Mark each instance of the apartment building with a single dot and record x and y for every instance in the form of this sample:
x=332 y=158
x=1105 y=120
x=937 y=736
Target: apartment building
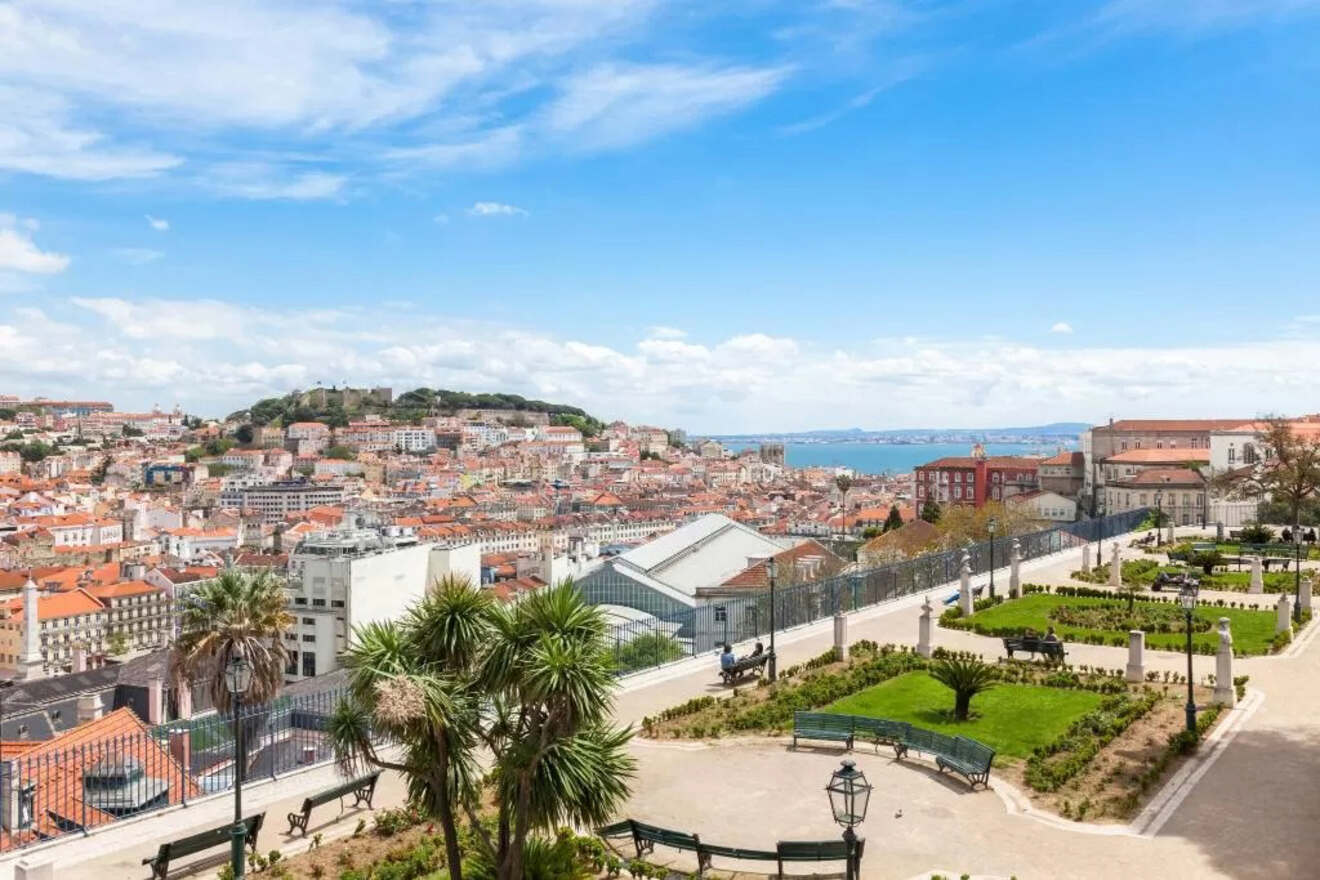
x=1181 y=493
x=1118 y=436
x=975 y=479
x=65 y=621
x=138 y=610
x=80 y=529
x=275 y=501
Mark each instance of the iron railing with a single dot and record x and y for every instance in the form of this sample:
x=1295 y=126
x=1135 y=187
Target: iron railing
x=664 y=637
x=119 y=767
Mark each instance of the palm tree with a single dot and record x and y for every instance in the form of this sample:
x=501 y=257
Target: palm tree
x=843 y=483
x=237 y=614
x=529 y=683
x=966 y=677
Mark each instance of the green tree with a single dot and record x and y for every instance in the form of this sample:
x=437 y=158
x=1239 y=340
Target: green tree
x=130 y=431
x=341 y=452
x=966 y=677
x=1288 y=475
x=894 y=520
x=930 y=511
x=530 y=684
x=117 y=643
x=843 y=483
x=649 y=649
x=244 y=434
x=236 y=614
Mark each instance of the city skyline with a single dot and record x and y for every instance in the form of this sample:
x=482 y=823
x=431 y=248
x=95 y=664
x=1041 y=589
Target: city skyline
x=767 y=217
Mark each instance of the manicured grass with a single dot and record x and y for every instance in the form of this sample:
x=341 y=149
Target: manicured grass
x=1012 y=718
x=1252 y=630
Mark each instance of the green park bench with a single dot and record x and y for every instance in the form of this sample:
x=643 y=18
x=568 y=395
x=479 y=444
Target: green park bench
x=823 y=725
x=363 y=790
x=645 y=837
x=744 y=667
x=970 y=758
x=1053 y=650
x=880 y=731
x=814 y=851
x=200 y=842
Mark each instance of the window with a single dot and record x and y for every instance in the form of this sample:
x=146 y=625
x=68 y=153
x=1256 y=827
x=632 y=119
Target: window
x=309 y=638
x=308 y=664
x=319 y=603
x=957 y=491
x=1232 y=454
x=336 y=603
x=310 y=621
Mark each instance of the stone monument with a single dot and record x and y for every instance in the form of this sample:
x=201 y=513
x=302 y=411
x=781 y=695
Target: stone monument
x=923 y=629
x=1136 y=665
x=1283 y=613
x=1115 y=567
x=1257 y=576
x=1014 y=569
x=1224 y=691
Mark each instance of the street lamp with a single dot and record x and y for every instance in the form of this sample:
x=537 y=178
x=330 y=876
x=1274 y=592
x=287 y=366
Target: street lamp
x=849 y=795
x=238 y=678
x=771 y=570
x=991 y=526
x=1297 y=568
x=1187 y=598
x=1159 y=515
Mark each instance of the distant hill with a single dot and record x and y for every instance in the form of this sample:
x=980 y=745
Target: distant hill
x=337 y=406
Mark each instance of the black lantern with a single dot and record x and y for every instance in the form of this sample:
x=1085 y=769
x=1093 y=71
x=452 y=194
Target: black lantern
x=771 y=572
x=1187 y=598
x=238 y=678
x=850 y=794
x=991 y=526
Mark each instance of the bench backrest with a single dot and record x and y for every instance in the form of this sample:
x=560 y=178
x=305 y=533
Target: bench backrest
x=330 y=794
x=656 y=834
x=811 y=850
x=204 y=840
x=882 y=728
x=823 y=721
x=738 y=852
x=974 y=753
x=928 y=741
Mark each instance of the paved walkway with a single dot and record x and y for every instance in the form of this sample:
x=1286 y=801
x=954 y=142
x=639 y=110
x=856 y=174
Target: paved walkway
x=1251 y=814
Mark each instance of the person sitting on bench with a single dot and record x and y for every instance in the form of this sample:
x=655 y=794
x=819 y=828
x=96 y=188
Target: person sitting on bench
x=758 y=650
x=727 y=659
x=1050 y=636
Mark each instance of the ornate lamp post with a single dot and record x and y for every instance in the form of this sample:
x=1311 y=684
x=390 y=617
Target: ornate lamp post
x=992 y=525
x=238 y=678
x=849 y=795
x=1187 y=598
x=1297 y=569
x=771 y=570
x=1159 y=514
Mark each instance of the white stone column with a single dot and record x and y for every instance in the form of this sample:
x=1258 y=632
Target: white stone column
x=1305 y=595
x=1224 y=691
x=1014 y=569
x=34 y=868
x=923 y=629
x=1136 y=665
x=1283 y=613
x=1086 y=558
x=1257 y=576
x=965 y=586
x=841 y=635
x=1115 y=566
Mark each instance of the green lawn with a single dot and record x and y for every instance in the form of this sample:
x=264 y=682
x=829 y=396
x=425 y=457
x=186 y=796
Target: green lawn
x=1012 y=718
x=1252 y=630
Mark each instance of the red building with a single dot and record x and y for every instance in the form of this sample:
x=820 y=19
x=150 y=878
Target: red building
x=975 y=479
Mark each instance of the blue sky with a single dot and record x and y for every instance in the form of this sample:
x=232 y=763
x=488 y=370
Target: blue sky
x=731 y=217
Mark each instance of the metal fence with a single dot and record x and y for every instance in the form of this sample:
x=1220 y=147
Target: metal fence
x=665 y=637
x=119 y=767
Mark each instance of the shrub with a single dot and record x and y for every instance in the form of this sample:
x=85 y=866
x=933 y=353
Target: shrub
x=1257 y=534
x=1053 y=764
x=966 y=677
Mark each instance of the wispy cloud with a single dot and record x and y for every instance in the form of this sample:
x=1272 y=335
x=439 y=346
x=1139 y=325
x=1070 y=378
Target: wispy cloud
x=496 y=209
x=257 y=180
x=136 y=256
x=158 y=224
x=660 y=331
x=898 y=73
x=1061 y=327
x=19 y=253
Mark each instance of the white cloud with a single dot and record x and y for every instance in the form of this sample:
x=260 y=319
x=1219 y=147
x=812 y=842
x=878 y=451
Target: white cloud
x=218 y=356
x=660 y=331
x=158 y=224
x=136 y=256
x=19 y=253
x=442 y=219
x=496 y=209
x=1061 y=327
x=260 y=181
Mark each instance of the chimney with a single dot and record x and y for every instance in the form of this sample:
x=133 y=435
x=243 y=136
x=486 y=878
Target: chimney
x=181 y=747
x=89 y=707
x=277 y=542
x=79 y=658
x=155 y=701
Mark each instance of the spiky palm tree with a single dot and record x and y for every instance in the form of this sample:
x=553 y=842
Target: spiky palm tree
x=530 y=683
x=966 y=677
x=237 y=614
x=843 y=483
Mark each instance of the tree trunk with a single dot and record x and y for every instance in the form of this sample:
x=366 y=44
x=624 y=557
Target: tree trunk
x=962 y=703
x=453 y=856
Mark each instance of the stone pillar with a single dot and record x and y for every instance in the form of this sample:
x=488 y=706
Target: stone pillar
x=184 y=697
x=1283 y=613
x=1136 y=665
x=1257 y=576
x=1014 y=569
x=89 y=707
x=34 y=868
x=841 y=635
x=1086 y=558
x=1305 y=594
x=155 y=701
x=31 y=663
x=1224 y=691
x=1115 y=567
x=923 y=629
x=965 y=587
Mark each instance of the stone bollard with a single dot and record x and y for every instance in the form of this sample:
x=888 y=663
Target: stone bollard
x=1086 y=559
x=1305 y=594
x=1225 y=692
x=1015 y=569
x=34 y=868
x=841 y=635
x=1283 y=613
x=1257 y=576
x=965 y=587
x=1136 y=665
x=923 y=629
x=1115 y=567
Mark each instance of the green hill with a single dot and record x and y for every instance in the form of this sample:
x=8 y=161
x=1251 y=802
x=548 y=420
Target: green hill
x=335 y=407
